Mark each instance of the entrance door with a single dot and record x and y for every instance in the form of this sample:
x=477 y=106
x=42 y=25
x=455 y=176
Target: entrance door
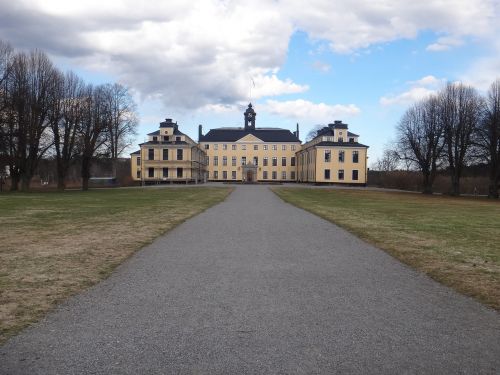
x=249 y=176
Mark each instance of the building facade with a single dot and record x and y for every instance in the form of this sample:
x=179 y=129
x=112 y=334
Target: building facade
x=333 y=156
x=251 y=154
x=169 y=156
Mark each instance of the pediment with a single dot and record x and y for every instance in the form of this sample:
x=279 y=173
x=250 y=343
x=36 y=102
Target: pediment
x=249 y=138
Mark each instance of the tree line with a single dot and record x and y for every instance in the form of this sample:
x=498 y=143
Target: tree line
x=449 y=130
x=45 y=112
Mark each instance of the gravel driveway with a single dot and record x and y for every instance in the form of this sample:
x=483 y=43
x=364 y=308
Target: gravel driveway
x=254 y=285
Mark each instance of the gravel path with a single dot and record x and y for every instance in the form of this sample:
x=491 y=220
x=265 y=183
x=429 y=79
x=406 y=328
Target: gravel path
x=254 y=285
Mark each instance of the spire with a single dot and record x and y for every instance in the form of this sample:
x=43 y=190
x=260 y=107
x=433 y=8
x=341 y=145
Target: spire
x=250 y=118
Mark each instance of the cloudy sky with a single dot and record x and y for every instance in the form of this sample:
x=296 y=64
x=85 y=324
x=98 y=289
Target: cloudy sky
x=311 y=62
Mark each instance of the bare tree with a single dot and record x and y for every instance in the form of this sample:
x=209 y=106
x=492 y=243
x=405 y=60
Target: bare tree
x=6 y=53
x=93 y=129
x=65 y=121
x=313 y=132
x=460 y=114
x=33 y=76
x=388 y=162
x=488 y=136
x=123 y=120
x=420 y=139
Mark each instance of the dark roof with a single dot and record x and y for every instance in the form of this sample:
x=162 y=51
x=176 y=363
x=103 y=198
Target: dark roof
x=342 y=144
x=176 y=132
x=233 y=134
x=155 y=133
x=349 y=134
x=163 y=143
x=138 y=152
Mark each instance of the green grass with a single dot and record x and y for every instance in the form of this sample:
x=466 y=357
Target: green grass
x=454 y=240
x=56 y=244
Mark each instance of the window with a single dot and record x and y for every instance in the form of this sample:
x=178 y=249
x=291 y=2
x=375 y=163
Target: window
x=233 y=175
x=151 y=154
x=292 y=161
x=283 y=161
x=341 y=139
x=155 y=139
x=233 y=161
x=264 y=175
x=283 y=175
x=179 y=172
x=179 y=154
x=275 y=161
x=355 y=175
x=328 y=156
x=265 y=162
x=341 y=174
x=216 y=175
x=224 y=175
x=341 y=156
x=243 y=160
x=216 y=146
x=138 y=174
x=166 y=138
x=138 y=161
x=292 y=175
x=283 y=147
x=292 y=147
x=243 y=147
x=264 y=147
x=165 y=172
x=275 y=147
x=224 y=146
x=351 y=140
x=355 y=156
x=327 y=174
x=207 y=146
x=233 y=147
x=275 y=175
x=224 y=160
x=255 y=147
x=165 y=154
x=255 y=160
x=216 y=161
x=151 y=172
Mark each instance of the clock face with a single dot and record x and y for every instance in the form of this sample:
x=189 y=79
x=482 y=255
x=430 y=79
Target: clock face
x=249 y=115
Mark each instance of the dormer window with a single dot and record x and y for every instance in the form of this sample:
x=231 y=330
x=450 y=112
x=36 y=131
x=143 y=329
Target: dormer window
x=155 y=139
x=341 y=139
x=351 y=140
x=166 y=138
x=177 y=139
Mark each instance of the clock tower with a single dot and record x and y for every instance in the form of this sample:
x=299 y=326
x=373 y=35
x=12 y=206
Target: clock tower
x=250 y=118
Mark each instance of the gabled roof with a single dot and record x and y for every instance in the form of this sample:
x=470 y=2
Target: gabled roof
x=138 y=152
x=155 y=133
x=234 y=134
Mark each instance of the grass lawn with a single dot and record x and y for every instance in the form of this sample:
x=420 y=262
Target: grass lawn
x=53 y=245
x=454 y=240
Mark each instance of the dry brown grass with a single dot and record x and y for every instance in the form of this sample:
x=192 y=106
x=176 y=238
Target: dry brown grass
x=54 y=245
x=453 y=240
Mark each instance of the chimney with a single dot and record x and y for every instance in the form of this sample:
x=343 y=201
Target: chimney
x=297 y=132
x=200 y=132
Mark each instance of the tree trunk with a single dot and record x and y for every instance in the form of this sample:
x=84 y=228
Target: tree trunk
x=86 y=161
x=455 y=185
x=494 y=180
x=427 y=183
x=61 y=175
x=14 y=182
x=25 y=182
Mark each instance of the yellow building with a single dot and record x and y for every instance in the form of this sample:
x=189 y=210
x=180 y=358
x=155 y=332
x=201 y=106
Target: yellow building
x=169 y=156
x=251 y=154
x=333 y=156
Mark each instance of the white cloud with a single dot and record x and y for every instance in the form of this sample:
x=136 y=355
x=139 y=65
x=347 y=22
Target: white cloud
x=418 y=90
x=304 y=109
x=321 y=66
x=198 y=53
x=444 y=44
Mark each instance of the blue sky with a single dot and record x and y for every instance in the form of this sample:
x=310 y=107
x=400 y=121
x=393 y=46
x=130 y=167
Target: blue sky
x=363 y=62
